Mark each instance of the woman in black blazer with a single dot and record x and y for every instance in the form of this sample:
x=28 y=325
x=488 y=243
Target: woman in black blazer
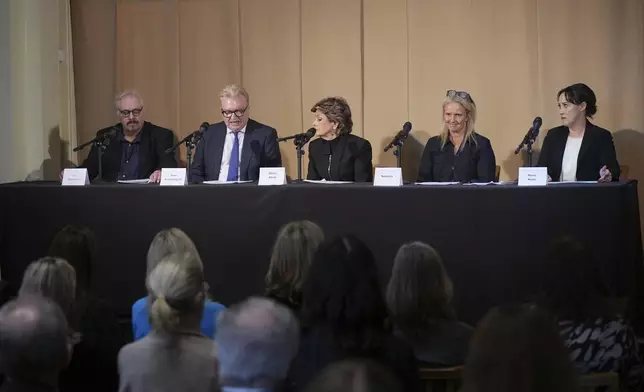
x=337 y=155
x=579 y=150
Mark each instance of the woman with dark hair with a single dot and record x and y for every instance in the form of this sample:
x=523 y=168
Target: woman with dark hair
x=337 y=155
x=518 y=348
x=598 y=336
x=292 y=254
x=578 y=150
x=93 y=364
x=343 y=315
x=419 y=295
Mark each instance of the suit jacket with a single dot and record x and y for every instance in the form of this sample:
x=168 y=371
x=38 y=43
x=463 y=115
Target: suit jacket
x=596 y=150
x=259 y=149
x=351 y=160
x=154 y=141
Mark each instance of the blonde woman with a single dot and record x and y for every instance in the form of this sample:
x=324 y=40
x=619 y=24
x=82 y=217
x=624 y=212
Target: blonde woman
x=175 y=356
x=292 y=254
x=165 y=243
x=458 y=153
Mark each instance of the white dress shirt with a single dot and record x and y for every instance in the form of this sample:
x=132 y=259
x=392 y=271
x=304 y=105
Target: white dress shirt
x=228 y=149
x=569 y=162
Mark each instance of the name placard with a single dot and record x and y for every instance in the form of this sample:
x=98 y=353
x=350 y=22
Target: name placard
x=533 y=176
x=173 y=177
x=388 y=176
x=272 y=176
x=75 y=177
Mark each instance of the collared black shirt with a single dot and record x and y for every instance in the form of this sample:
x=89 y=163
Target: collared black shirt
x=129 y=158
x=474 y=162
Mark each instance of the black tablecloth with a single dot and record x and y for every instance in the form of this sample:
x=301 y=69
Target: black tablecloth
x=492 y=238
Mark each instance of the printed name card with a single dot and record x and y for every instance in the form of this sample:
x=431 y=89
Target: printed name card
x=388 y=176
x=533 y=176
x=272 y=176
x=75 y=177
x=173 y=177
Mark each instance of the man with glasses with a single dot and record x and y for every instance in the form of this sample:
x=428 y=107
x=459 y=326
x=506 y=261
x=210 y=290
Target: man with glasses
x=137 y=151
x=235 y=149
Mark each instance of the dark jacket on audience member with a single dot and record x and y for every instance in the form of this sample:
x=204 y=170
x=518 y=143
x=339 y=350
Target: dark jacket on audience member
x=445 y=345
x=597 y=150
x=474 y=162
x=345 y=158
x=154 y=140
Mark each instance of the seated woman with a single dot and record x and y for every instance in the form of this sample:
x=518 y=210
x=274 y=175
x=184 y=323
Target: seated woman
x=458 y=153
x=343 y=315
x=175 y=355
x=165 y=243
x=337 y=155
x=292 y=254
x=578 y=150
x=419 y=295
x=592 y=326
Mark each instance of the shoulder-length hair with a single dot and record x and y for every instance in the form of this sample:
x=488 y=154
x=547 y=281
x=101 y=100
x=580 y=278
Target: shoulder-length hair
x=291 y=257
x=77 y=246
x=419 y=291
x=337 y=110
x=167 y=242
x=52 y=278
x=470 y=110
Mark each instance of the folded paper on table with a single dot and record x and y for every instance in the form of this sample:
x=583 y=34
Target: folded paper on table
x=225 y=182
x=328 y=182
x=141 y=181
x=437 y=183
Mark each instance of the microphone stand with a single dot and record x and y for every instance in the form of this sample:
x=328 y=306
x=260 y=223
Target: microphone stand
x=299 y=141
x=191 y=143
x=101 y=143
x=528 y=141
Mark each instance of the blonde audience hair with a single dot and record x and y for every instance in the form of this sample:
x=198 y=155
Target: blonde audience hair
x=291 y=257
x=176 y=293
x=167 y=242
x=470 y=109
x=53 y=278
x=127 y=93
x=234 y=90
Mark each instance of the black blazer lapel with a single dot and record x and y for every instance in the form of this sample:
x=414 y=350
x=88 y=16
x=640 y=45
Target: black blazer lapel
x=336 y=160
x=246 y=150
x=559 y=146
x=586 y=142
x=219 y=139
x=145 y=150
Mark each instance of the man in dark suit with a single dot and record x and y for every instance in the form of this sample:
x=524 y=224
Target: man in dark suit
x=137 y=150
x=235 y=149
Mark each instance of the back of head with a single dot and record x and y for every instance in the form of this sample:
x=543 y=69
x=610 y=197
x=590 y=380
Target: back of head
x=342 y=292
x=76 y=245
x=176 y=290
x=518 y=348
x=33 y=339
x=53 y=278
x=167 y=242
x=419 y=291
x=256 y=342
x=292 y=254
x=355 y=376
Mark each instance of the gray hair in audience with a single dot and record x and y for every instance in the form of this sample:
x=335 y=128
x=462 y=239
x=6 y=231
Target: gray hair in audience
x=256 y=342
x=176 y=290
x=53 y=278
x=167 y=242
x=33 y=338
x=355 y=375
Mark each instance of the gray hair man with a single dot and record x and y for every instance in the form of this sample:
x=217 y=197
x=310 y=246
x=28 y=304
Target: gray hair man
x=256 y=341
x=34 y=344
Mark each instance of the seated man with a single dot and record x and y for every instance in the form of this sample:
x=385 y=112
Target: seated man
x=137 y=151
x=235 y=149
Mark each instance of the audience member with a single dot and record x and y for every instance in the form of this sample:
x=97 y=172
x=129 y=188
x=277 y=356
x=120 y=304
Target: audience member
x=419 y=295
x=256 y=342
x=592 y=326
x=518 y=348
x=355 y=376
x=292 y=254
x=93 y=365
x=168 y=242
x=344 y=315
x=33 y=344
x=175 y=355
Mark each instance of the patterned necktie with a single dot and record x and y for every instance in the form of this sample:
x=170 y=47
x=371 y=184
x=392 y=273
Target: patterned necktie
x=233 y=168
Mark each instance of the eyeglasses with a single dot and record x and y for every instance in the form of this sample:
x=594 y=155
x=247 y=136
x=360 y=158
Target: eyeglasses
x=238 y=113
x=459 y=94
x=126 y=113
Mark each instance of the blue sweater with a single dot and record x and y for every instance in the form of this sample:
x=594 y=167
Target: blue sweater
x=141 y=319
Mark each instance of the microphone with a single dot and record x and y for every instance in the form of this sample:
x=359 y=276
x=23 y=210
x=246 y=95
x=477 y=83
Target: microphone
x=532 y=134
x=400 y=136
x=192 y=138
x=300 y=138
x=103 y=138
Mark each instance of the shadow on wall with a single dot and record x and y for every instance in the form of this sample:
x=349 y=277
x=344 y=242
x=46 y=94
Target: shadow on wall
x=50 y=168
x=629 y=145
x=411 y=152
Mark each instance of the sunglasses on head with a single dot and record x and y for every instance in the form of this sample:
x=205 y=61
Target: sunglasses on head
x=460 y=94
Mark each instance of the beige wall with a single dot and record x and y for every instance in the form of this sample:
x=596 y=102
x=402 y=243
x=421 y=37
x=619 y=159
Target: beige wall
x=392 y=59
